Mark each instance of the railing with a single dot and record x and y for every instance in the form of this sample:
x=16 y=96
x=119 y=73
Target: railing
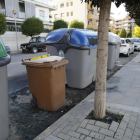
x=45 y=19
x=2 y=11
x=127 y=25
x=128 y=21
x=47 y=2
x=21 y=15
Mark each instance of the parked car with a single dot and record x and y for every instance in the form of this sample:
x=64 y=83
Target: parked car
x=127 y=47
x=136 y=42
x=8 y=49
x=35 y=44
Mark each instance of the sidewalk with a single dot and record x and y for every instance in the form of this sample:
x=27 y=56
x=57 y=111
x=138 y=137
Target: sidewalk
x=123 y=97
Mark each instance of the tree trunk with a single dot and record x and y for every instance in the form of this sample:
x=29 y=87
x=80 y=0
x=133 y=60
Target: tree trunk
x=102 y=55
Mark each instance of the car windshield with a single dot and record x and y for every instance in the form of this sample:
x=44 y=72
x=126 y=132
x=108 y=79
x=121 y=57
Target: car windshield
x=135 y=40
x=33 y=39
x=122 y=41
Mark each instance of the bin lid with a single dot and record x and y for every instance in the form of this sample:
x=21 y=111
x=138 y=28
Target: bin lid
x=84 y=37
x=3 y=51
x=113 y=39
x=52 y=61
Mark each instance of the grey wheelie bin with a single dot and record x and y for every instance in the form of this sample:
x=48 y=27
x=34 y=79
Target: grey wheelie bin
x=113 y=50
x=79 y=47
x=4 y=112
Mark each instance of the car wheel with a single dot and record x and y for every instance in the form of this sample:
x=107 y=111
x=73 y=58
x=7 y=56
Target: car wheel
x=133 y=52
x=128 y=54
x=34 y=50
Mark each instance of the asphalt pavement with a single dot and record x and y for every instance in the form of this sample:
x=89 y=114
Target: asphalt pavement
x=17 y=76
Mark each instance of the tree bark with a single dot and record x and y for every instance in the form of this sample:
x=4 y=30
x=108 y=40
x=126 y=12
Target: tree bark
x=102 y=56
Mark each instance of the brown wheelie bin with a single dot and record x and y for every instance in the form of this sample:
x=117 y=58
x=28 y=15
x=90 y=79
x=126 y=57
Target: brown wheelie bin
x=47 y=83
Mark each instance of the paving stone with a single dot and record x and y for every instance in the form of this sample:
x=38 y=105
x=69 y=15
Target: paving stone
x=82 y=118
x=83 y=131
x=137 y=132
x=84 y=123
x=66 y=129
x=119 y=134
x=131 y=125
x=91 y=122
x=135 y=138
x=138 y=125
x=43 y=135
x=92 y=127
x=106 y=132
x=52 y=138
x=101 y=124
x=88 y=138
x=74 y=134
x=128 y=133
x=126 y=118
x=97 y=135
x=133 y=118
x=72 y=138
x=114 y=126
x=74 y=127
x=109 y=138
x=82 y=137
x=123 y=125
x=63 y=136
x=72 y=122
x=126 y=138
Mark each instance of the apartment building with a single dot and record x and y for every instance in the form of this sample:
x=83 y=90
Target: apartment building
x=26 y=9
x=70 y=10
x=124 y=23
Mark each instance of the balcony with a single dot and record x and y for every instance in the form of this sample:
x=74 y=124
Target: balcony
x=21 y=15
x=129 y=21
x=127 y=25
x=47 y=2
x=90 y=17
x=46 y=20
x=92 y=26
x=89 y=7
x=2 y=11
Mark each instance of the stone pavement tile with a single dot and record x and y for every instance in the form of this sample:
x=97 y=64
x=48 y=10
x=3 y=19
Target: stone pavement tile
x=119 y=134
x=92 y=127
x=83 y=131
x=135 y=138
x=84 y=123
x=72 y=138
x=91 y=122
x=88 y=138
x=97 y=135
x=136 y=132
x=126 y=138
x=73 y=122
x=114 y=126
x=74 y=127
x=123 y=125
x=126 y=118
x=131 y=125
x=52 y=138
x=128 y=133
x=133 y=118
x=109 y=138
x=138 y=124
x=106 y=132
x=101 y=124
x=82 y=118
x=74 y=134
x=82 y=137
x=66 y=129
x=63 y=136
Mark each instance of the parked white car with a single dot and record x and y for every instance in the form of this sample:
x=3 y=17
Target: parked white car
x=127 y=47
x=136 y=42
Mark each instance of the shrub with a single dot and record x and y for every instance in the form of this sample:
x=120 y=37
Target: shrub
x=77 y=24
x=90 y=28
x=32 y=26
x=117 y=32
x=3 y=24
x=122 y=33
x=60 y=24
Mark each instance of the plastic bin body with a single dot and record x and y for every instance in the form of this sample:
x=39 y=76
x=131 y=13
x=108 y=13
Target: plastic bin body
x=47 y=85
x=4 y=109
x=81 y=54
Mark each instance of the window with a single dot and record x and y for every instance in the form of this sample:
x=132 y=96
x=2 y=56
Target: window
x=33 y=39
x=71 y=13
x=71 y=3
x=56 y=16
x=88 y=22
x=62 y=5
x=42 y=39
x=67 y=4
x=62 y=14
x=41 y=13
x=67 y=14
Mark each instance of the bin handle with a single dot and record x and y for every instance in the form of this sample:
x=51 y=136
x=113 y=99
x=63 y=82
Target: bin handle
x=23 y=60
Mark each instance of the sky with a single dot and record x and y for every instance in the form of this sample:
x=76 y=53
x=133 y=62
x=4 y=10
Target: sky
x=119 y=13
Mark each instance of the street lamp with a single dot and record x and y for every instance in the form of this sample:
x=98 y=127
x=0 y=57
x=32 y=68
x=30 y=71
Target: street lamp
x=14 y=12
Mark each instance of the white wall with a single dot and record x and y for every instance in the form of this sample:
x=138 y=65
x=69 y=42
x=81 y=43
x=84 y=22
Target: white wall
x=9 y=39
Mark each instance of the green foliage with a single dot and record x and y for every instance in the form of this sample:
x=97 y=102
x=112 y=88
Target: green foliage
x=137 y=21
x=129 y=34
x=122 y=33
x=136 y=32
x=76 y=24
x=58 y=24
x=3 y=24
x=90 y=29
x=109 y=30
x=32 y=26
x=117 y=32
x=46 y=30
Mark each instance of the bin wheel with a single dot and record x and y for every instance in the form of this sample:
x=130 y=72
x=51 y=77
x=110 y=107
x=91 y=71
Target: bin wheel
x=34 y=50
x=34 y=102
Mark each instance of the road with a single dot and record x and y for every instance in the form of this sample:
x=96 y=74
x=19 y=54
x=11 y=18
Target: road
x=17 y=76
